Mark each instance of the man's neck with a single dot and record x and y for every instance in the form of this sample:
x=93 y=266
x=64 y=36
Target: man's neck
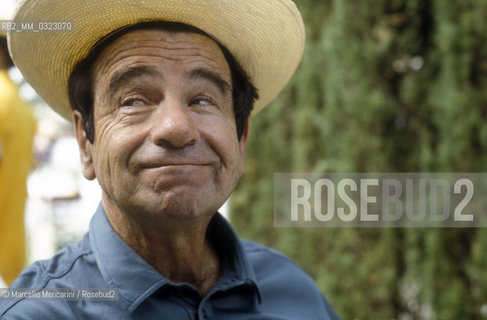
x=180 y=252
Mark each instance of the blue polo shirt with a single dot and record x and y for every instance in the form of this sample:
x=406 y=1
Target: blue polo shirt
x=256 y=283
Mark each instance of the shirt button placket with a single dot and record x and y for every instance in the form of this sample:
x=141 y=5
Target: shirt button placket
x=205 y=314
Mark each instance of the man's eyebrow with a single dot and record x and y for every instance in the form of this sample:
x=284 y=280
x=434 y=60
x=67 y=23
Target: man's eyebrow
x=123 y=77
x=212 y=76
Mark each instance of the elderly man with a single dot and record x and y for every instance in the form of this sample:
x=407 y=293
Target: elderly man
x=161 y=115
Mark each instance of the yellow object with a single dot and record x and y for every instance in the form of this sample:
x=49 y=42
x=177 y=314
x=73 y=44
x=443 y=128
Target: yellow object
x=17 y=130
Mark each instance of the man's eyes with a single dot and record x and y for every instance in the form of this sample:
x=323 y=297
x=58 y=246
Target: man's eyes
x=202 y=101
x=133 y=102
x=140 y=102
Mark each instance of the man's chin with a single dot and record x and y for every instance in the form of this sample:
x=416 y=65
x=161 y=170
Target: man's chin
x=163 y=179
x=177 y=204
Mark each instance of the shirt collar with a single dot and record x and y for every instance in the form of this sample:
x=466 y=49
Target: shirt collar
x=236 y=268
x=120 y=265
x=136 y=280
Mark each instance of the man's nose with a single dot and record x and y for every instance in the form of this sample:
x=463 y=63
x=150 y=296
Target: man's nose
x=172 y=125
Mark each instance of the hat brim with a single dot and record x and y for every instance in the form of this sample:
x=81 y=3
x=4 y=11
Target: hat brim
x=265 y=36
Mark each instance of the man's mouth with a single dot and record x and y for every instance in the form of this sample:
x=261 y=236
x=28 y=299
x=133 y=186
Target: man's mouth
x=155 y=165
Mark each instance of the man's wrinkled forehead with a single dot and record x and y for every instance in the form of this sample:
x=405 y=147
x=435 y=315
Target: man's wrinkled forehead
x=159 y=32
x=127 y=55
x=169 y=28
x=146 y=39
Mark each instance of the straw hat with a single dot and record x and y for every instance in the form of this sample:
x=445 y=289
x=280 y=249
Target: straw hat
x=265 y=36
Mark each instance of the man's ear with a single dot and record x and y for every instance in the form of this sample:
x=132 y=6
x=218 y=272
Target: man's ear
x=85 y=147
x=243 y=144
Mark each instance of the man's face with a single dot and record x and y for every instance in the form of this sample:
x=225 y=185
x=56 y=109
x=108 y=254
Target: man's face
x=165 y=132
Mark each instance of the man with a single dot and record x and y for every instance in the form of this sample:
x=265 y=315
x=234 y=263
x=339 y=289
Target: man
x=17 y=130
x=161 y=115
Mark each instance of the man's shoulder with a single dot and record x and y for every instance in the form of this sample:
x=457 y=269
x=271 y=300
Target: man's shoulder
x=251 y=246
x=45 y=272
x=66 y=269
x=284 y=285
x=270 y=263
x=264 y=259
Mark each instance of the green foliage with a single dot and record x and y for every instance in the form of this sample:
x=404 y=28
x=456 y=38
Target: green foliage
x=384 y=86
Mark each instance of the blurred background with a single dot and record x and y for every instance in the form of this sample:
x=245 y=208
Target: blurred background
x=384 y=86
x=60 y=201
